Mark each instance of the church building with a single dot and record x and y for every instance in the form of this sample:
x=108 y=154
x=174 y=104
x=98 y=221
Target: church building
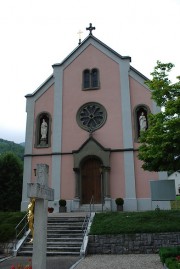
x=84 y=122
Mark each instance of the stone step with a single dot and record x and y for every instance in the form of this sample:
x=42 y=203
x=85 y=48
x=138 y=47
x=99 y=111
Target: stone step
x=64 y=237
x=57 y=246
x=67 y=235
x=66 y=219
x=64 y=248
x=52 y=244
x=51 y=253
x=62 y=225
x=64 y=231
x=56 y=222
x=86 y=208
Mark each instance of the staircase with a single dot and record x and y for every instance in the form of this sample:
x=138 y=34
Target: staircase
x=64 y=235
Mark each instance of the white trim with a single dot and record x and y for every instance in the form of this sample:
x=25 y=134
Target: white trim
x=57 y=132
x=130 y=188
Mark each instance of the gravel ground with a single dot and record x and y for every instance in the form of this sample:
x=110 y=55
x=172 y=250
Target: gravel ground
x=129 y=261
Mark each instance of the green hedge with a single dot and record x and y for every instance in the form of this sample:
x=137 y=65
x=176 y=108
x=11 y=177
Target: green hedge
x=8 y=222
x=172 y=263
x=168 y=252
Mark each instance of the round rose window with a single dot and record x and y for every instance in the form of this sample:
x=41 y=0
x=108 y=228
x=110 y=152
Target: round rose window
x=91 y=116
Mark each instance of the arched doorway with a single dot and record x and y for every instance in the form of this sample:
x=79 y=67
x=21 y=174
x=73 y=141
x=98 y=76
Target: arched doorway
x=91 y=184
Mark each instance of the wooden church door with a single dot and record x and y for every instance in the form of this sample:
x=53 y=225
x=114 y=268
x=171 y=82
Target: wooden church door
x=91 y=181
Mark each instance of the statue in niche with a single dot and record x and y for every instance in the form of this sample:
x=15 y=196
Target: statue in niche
x=44 y=132
x=44 y=127
x=142 y=122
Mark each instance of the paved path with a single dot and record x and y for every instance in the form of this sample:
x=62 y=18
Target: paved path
x=129 y=261
x=60 y=262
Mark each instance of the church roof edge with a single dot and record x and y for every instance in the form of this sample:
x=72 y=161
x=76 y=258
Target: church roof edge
x=97 y=40
x=139 y=73
x=32 y=94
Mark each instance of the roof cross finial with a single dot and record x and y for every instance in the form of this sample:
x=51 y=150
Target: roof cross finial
x=90 y=28
x=79 y=33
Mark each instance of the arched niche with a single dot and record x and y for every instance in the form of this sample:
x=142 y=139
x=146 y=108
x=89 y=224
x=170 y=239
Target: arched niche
x=43 y=130
x=139 y=111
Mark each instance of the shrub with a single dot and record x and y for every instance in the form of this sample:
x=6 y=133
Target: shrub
x=62 y=202
x=8 y=222
x=168 y=252
x=119 y=201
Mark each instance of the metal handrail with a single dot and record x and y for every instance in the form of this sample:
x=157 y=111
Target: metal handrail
x=86 y=226
x=90 y=204
x=86 y=220
x=24 y=228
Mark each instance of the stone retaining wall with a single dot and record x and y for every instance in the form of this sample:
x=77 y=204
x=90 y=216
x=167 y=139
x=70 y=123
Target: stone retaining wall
x=6 y=248
x=132 y=243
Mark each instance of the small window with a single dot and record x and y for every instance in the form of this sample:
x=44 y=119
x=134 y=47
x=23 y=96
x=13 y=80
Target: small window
x=86 y=79
x=91 y=79
x=94 y=78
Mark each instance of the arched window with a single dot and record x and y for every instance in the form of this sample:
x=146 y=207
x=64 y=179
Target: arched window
x=94 y=78
x=140 y=120
x=90 y=79
x=43 y=130
x=86 y=79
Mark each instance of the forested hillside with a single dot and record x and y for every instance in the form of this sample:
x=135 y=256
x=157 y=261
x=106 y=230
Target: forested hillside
x=6 y=146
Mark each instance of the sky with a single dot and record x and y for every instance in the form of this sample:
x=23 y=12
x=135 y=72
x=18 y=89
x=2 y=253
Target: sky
x=35 y=34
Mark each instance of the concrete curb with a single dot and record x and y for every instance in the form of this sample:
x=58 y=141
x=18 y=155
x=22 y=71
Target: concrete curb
x=77 y=263
x=6 y=258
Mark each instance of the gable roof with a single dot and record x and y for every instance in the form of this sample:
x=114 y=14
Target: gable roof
x=91 y=37
x=83 y=43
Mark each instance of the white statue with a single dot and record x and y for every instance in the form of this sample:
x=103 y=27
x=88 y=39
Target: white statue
x=44 y=129
x=142 y=122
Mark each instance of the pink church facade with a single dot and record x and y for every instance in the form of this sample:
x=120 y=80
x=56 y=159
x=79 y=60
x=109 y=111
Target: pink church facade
x=91 y=105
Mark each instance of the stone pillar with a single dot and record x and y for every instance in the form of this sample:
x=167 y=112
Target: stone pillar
x=106 y=181
x=42 y=193
x=76 y=200
x=107 y=199
x=77 y=187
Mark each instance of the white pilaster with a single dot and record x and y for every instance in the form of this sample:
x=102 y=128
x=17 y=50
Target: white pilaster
x=130 y=188
x=57 y=131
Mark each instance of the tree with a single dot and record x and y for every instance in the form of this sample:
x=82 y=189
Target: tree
x=6 y=146
x=160 y=148
x=11 y=177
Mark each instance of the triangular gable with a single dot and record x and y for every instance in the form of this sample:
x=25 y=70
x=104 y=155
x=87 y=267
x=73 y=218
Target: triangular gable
x=91 y=40
x=91 y=147
x=91 y=140
x=104 y=48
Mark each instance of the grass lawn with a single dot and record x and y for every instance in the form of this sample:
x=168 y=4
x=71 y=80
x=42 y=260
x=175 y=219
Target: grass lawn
x=136 y=222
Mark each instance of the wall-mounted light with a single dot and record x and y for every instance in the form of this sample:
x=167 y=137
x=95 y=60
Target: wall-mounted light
x=35 y=172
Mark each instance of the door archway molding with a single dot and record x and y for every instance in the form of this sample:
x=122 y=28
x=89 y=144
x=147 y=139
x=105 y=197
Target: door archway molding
x=91 y=147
